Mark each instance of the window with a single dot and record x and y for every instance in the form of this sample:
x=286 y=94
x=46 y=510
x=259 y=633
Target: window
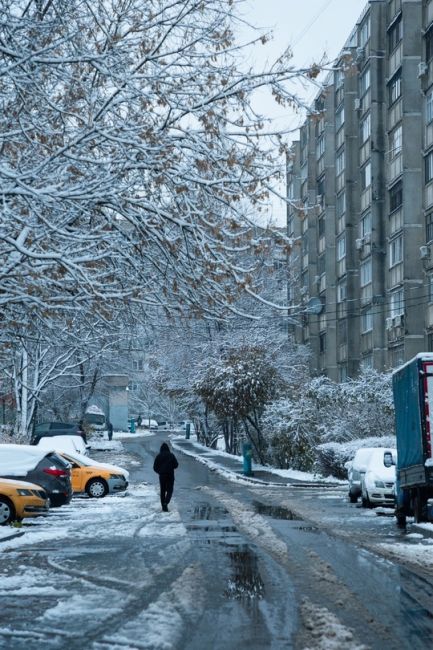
x=321 y=227
x=396 y=303
x=339 y=79
x=341 y=248
x=395 y=34
x=429 y=45
x=341 y=204
x=321 y=265
x=430 y=287
x=342 y=374
x=364 y=33
x=339 y=119
x=366 y=224
x=133 y=387
x=367 y=361
x=322 y=343
x=395 y=142
x=365 y=176
x=364 y=82
x=429 y=227
x=429 y=107
x=394 y=88
x=366 y=272
x=340 y=163
x=396 y=196
x=365 y=128
x=320 y=146
x=429 y=167
x=366 y=321
x=342 y=291
x=137 y=364
x=395 y=251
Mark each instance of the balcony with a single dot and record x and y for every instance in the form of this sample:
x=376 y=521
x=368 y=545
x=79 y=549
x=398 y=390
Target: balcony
x=366 y=199
x=395 y=59
x=395 y=113
x=395 y=275
x=428 y=195
x=395 y=167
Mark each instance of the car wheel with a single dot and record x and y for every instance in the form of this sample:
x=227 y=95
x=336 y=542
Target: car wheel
x=353 y=498
x=366 y=503
x=7 y=511
x=97 y=488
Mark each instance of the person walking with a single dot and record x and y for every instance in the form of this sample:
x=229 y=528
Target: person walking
x=110 y=430
x=164 y=465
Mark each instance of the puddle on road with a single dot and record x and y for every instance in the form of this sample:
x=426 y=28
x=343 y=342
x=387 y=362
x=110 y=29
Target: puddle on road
x=245 y=583
x=206 y=511
x=277 y=512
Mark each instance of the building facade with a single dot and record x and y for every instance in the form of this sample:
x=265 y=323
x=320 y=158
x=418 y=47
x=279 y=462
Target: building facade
x=360 y=185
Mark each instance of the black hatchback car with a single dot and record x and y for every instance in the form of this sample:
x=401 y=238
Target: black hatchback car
x=46 y=469
x=49 y=429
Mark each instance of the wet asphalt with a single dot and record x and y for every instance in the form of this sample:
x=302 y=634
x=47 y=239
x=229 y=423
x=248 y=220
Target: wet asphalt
x=243 y=566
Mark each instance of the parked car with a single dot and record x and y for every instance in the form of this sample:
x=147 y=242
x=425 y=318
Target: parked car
x=19 y=499
x=149 y=424
x=94 y=418
x=355 y=470
x=164 y=425
x=182 y=426
x=73 y=444
x=45 y=468
x=49 y=429
x=94 y=478
x=378 y=481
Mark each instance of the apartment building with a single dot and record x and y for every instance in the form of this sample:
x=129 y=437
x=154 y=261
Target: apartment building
x=360 y=184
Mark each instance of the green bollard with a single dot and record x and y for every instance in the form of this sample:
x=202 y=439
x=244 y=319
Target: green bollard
x=187 y=430
x=247 y=453
x=132 y=425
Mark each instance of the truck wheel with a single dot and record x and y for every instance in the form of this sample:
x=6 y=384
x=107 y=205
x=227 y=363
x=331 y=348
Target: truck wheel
x=418 y=508
x=353 y=498
x=366 y=503
x=401 y=520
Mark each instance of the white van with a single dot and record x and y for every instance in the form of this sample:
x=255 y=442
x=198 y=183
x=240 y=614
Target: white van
x=146 y=423
x=355 y=471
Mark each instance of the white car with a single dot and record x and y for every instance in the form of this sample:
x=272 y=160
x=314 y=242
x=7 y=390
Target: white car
x=68 y=444
x=378 y=481
x=182 y=426
x=355 y=471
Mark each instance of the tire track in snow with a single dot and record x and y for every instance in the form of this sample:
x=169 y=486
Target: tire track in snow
x=163 y=624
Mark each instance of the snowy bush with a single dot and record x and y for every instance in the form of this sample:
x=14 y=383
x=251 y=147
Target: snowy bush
x=293 y=430
x=332 y=456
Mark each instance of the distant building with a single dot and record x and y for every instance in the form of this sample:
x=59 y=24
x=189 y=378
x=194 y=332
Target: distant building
x=360 y=180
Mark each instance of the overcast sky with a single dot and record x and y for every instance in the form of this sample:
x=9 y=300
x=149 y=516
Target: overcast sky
x=311 y=28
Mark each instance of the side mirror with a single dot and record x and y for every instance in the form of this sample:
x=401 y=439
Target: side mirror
x=348 y=464
x=388 y=460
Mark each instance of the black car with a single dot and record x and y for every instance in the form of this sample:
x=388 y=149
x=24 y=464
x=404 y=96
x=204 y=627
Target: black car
x=49 y=429
x=47 y=469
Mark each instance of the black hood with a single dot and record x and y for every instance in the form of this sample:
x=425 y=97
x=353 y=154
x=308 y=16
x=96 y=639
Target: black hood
x=164 y=448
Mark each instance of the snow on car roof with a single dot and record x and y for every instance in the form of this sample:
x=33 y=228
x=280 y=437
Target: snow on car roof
x=426 y=356
x=375 y=462
x=89 y=462
x=16 y=483
x=62 y=443
x=16 y=460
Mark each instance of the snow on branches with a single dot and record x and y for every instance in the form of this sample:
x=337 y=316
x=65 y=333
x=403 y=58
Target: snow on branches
x=132 y=160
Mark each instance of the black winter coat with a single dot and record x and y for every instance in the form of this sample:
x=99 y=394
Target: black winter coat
x=165 y=462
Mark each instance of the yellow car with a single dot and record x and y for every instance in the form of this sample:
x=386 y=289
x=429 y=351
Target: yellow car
x=19 y=499
x=94 y=478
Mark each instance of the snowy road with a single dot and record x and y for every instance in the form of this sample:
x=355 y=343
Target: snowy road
x=231 y=566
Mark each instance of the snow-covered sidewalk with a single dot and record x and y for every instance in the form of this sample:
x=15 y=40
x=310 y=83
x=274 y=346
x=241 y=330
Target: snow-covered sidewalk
x=232 y=467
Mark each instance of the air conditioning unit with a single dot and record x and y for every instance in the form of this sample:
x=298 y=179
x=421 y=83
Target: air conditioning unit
x=424 y=252
x=357 y=104
x=422 y=69
x=359 y=243
x=389 y=323
x=367 y=238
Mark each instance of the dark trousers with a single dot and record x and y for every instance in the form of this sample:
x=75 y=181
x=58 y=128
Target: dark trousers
x=166 y=484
